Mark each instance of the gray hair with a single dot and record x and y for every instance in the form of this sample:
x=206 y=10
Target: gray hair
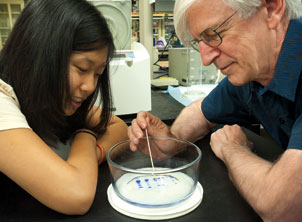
x=245 y=9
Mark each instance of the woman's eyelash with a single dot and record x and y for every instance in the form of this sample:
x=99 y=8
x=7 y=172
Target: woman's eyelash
x=82 y=70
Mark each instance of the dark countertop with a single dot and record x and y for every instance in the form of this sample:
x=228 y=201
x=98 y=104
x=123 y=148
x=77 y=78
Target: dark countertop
x=221 y=201
x=163 y=106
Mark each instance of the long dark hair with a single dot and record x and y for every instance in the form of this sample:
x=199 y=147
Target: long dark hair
x=35 y=62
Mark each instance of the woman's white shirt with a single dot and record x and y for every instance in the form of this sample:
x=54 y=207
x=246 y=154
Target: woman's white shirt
x=11 y=116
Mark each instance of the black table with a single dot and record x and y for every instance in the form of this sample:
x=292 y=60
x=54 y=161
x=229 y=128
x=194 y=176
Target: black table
x=163 y=105
x=221 y=201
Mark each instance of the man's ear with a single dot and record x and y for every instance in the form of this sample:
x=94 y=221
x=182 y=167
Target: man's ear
x=275 y=12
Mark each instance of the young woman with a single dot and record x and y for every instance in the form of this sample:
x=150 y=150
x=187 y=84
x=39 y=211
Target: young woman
x=52 y=69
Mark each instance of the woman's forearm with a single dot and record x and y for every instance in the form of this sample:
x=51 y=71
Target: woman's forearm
x=116 y=132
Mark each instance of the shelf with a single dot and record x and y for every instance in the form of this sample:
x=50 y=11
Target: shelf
x=9 y=11
x=162 y=25
x=158 y=14
x=133 y=14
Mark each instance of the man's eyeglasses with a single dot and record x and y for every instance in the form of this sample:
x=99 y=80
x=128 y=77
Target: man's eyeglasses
x=210 y=36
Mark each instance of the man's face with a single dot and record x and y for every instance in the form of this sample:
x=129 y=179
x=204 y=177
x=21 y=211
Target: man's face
x=247 y=52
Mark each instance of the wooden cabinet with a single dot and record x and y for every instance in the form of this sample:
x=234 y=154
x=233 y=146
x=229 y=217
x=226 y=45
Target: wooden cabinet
x=9 y=12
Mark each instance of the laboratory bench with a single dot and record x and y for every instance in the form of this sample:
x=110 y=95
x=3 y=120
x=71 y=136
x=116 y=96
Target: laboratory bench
x=166 y=108
x=163 y=106
x=221 y=200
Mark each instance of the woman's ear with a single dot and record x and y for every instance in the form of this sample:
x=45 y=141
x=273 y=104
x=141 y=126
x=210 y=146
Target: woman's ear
x=275 y=12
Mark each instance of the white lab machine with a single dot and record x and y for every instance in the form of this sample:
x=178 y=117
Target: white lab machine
x=129 y=72
x=118 y=16
x=130 y=80
x=186 y=66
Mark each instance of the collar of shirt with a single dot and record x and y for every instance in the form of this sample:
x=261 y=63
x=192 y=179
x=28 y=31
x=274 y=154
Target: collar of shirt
x=289 y=64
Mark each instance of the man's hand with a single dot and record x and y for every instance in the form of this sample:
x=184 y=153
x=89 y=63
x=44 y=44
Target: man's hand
x=272 y=189
x=229 y=136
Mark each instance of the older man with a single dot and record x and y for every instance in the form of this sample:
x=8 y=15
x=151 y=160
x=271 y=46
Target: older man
x=257 y=44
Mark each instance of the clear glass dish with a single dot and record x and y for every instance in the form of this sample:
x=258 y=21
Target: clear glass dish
x=175 y=175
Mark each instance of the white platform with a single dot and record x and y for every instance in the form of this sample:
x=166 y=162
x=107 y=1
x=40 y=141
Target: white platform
x=158 y=213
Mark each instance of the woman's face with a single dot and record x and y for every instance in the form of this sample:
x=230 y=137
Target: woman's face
x=85 y=68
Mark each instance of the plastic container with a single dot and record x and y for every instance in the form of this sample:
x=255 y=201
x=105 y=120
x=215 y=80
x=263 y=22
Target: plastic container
x=175 y=175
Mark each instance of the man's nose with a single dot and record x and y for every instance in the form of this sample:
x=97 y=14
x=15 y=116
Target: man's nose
x=208 y=53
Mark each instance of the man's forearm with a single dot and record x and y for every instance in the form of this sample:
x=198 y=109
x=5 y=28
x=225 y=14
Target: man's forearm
x=273 y=190
x=191 y=123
